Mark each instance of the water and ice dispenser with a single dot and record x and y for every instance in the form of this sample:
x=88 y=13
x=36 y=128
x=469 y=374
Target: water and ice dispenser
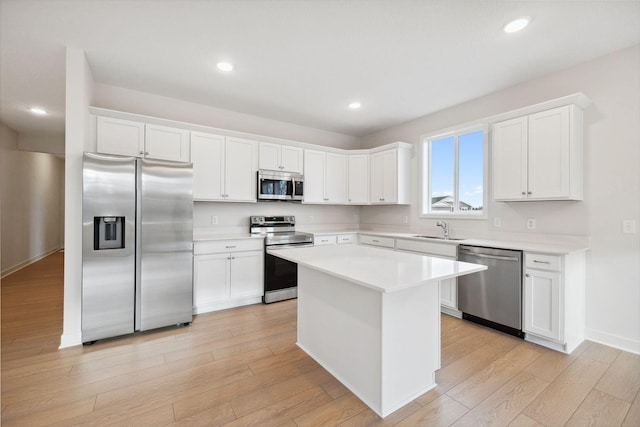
x=108 y=232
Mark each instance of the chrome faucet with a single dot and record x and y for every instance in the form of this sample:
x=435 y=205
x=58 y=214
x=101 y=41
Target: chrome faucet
x=445 y=227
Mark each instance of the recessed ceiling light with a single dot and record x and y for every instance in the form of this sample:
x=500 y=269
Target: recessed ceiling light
x=225 y=66
x=517 y=24
x=355 y=105
x=37 y=110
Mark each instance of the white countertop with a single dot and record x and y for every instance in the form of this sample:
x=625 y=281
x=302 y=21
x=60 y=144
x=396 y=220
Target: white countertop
x=378 y=269
x=552 y=245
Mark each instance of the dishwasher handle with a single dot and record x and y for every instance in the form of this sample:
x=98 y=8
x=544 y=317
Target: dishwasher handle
x=498 y=257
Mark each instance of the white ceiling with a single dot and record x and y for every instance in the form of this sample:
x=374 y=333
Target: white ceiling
x=299 y=61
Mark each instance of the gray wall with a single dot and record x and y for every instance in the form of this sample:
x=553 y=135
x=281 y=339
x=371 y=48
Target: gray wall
x=32 y=189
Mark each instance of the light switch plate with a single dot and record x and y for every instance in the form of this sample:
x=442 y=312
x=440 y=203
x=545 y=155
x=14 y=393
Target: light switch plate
x=629 y=226
x=531 y=223
x=214 y=220
x=497 y=222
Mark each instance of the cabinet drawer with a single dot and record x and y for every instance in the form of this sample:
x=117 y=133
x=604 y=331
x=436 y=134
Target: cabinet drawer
x=542 y=261
x=224 y=246
x=324 y=240
x=346 y=238
x=385 y=242
x=430 y=248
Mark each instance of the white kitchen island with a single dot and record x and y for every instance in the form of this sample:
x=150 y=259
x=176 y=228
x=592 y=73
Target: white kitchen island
x=371 y=317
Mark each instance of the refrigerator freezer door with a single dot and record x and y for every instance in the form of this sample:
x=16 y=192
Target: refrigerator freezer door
x=165 y=286
x=108 y=246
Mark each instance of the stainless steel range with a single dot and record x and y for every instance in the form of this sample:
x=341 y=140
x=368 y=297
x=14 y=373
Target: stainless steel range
x=280 y=276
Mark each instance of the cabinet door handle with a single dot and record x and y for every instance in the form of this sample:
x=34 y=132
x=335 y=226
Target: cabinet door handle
x=541 y=262
x=524 y=193
x=526 y=275
x=376 y=241
x=529 y=193
x=230 y=246
x=142 y=152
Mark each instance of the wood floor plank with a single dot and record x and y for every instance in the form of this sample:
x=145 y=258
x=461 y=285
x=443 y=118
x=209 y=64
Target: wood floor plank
x=215 y=415
x=558 y=402
x=152 y=418
x=501 y=407
x=284 y=411
x=198 y=400
x=599 y=409
x=368 y=418
x=601 y=353
x=443 y=411
x=524 y=421
x=633 y=416
x=251 y=402
x=480 y=385
x=553 y=363
x=458 y=371
x=51 y=414
x=332 y=413
x=622 y=379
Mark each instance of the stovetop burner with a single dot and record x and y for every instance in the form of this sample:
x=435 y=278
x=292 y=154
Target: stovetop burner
x=279 y=231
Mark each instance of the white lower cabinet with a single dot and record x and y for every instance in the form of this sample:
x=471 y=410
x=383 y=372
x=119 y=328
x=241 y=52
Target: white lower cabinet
x=553 y=308
x=383 y=242
x=448 y=287
x=333 y=239
x=227 y=273
x=325 y=240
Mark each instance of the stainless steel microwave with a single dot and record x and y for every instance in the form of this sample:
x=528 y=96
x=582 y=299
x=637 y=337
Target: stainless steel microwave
x=273 y=185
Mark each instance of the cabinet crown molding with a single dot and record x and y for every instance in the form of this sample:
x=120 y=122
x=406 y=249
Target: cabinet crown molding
x=578 y=99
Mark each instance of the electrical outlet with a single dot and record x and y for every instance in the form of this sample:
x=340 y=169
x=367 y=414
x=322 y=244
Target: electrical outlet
x=497 y=222
x=310 y=219
x=214 y=220
x=531 y=223
x=629 y=226
x=405 y=219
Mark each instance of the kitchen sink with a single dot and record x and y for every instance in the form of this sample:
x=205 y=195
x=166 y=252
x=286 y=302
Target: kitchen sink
x=438 y=237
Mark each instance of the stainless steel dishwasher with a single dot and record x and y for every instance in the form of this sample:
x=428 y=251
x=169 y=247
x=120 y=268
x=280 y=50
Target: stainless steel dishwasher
x=492 y=297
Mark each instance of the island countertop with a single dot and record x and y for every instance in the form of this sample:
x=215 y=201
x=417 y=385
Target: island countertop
x=378 y=269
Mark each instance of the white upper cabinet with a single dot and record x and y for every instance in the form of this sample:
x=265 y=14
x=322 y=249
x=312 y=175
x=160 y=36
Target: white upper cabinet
x=207 y=152
x=280 y=157
x=539 y=156
x=325 y=179
x=224 y=168
x=130 y=138
x=121 y=137
x=390 y=176
x=358 y=182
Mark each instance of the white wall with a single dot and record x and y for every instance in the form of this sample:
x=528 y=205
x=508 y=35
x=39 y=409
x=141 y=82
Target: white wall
x=79 y=93
x=234 y=217
x=31 y=188
x=612 y=186
x=132 y=101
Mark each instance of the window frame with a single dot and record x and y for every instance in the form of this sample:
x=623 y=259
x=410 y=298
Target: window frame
x=425 y=181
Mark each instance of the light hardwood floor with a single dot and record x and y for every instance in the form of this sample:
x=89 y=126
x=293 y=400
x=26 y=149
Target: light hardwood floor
x=241 y=367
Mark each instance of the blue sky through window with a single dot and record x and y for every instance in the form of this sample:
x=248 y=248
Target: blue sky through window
x=470 y=170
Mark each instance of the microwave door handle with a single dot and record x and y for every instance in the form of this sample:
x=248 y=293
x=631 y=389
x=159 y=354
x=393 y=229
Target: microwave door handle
x=293 y=188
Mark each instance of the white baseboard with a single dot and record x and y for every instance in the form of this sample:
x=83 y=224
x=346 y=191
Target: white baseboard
x=28 y=262
x=611 y=340
x=70 y=340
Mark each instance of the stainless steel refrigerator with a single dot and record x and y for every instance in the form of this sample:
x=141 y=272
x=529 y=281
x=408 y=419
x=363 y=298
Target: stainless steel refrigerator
x=137 y=236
